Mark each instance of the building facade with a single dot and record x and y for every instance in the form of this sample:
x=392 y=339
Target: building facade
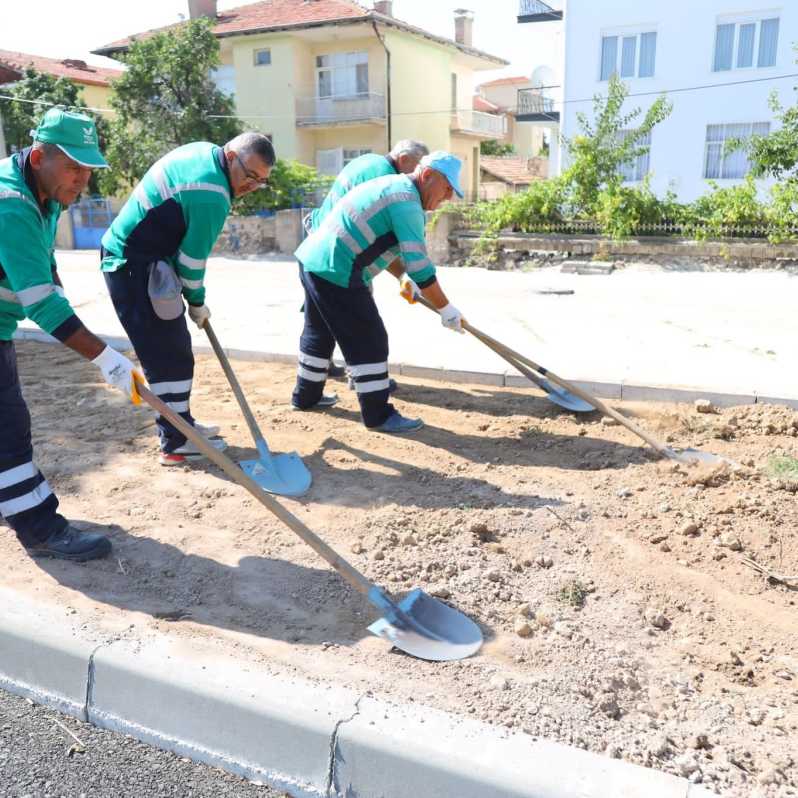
x=718 y=61
x=331 y=80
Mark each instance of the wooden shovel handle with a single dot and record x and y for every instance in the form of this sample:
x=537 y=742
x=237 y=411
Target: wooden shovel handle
x=234 y=384
x=352 y=575
x=515 y=358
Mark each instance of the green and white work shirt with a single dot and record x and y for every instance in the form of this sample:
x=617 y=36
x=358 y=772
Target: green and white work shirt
x=27 y=264
x=360 y=170
x=366 y=230
x=174 y=214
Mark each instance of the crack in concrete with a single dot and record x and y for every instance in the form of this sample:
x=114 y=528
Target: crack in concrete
x=90 y=684
x=331 y=785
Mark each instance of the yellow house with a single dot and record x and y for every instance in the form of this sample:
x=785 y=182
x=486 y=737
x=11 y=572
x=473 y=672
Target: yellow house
x=330 y=80
x=93 y=81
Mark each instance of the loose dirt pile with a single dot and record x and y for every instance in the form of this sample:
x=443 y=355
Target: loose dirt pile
x=619 y=611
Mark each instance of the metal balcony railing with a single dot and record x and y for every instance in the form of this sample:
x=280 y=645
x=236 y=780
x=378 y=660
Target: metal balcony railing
x=537 y=11
x=532 y=102
x=320 y=111
x=492 y=125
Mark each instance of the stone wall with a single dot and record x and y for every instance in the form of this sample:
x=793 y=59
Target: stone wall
x=514 y=250
x=247 y=235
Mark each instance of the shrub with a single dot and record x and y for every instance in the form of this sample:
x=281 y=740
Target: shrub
x=291 y=185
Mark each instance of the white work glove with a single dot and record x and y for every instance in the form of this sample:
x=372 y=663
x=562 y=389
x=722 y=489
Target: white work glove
x=451 y=318
x=408 y=289
x=119 y=372
x=199 y=314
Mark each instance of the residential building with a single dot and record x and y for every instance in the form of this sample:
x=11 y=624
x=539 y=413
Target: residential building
x=94 y=82
x=500 y=96
x=330 y=79
x=718 y=62
x=509 y=174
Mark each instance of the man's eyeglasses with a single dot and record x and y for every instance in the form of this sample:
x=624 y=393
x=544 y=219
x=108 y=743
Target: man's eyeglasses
x=251 y=176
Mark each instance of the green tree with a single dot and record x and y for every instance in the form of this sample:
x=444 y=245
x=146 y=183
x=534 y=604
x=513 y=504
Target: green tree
x=604 y=145
x=776 y=155
x=291 y=185
x=164 y=99
x=20 y=115
x=494 y=147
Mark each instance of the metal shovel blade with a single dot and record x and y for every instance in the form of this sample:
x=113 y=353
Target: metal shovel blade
x=427 y=628
x=283 y=474
x=697 y=456
x=565 y=398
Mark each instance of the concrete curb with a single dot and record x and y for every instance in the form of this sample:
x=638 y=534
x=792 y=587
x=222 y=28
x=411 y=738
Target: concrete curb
x=312 y=740
x=617 y=391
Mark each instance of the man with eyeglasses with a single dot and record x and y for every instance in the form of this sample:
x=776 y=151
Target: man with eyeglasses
x=153 y=257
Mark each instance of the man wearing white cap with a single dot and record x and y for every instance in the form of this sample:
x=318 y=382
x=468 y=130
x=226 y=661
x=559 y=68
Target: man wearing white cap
x=369 y=230
x=35 y=185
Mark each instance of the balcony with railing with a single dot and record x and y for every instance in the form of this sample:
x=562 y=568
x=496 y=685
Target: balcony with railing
x=532 y=106
x=478 y=123
x=335 y=111
x=537 y=11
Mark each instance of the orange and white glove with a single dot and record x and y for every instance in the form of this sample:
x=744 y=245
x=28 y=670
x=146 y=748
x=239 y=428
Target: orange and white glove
x=119 y=372
x=408 y=290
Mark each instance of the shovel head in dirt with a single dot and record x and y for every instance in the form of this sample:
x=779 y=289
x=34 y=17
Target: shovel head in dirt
x=425 y=627
x=283 y=474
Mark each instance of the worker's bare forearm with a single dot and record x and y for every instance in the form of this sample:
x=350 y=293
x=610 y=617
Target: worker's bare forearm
x=85 y=343
x=434 y=293
x=397 y=268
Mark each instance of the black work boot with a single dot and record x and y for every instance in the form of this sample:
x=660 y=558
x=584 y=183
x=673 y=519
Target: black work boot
x=72 y=544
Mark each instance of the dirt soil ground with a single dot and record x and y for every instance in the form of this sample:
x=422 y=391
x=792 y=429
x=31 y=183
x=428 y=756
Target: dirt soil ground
x=618 y=613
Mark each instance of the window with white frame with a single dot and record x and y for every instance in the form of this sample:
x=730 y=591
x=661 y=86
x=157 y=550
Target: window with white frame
x=635 y=170
x=726 y=158
x=262 y=57
x=628 y=55
x=350 y=155
x=746 y=43
x=342 y=75
x=224 y=78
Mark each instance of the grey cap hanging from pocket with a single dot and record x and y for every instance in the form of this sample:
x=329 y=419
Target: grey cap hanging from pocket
x=165 y=290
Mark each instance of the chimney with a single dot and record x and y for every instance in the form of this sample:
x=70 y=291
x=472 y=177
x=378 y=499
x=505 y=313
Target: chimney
x=464 y=26
x=384 y=7
x=202 y=8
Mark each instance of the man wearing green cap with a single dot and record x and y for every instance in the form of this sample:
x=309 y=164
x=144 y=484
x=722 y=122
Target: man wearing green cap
x=377 y=225
x=35 y=185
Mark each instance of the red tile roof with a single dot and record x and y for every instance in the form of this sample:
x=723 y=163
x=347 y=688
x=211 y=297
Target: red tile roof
x=269 y=15
x=513 y=170
x=481 y=104
x=71 y=68
x=505 y=81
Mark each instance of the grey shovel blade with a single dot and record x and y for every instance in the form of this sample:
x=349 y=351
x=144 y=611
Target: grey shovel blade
x=565 y=398
x=283 y=474
x=429 y=629
x=697 y=456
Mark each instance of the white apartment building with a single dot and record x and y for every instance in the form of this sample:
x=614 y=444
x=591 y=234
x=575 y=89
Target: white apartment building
x=718 y=61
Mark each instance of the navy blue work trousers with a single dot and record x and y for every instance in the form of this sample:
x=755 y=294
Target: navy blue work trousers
x=163 y=347
x=349 y=317
x=27 y=504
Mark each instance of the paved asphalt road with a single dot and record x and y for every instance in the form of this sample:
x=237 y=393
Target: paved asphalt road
x=35 y=762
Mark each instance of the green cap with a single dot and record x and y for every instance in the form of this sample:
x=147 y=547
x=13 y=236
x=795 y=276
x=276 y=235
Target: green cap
x=74 y=134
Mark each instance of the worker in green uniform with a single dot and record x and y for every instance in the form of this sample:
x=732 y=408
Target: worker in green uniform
x=35 y=185
x=153 y=257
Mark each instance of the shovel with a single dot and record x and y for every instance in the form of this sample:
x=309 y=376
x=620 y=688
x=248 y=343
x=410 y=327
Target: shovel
x=557 y=395
x=680 y=455
x=285 y=474
x=419 y=624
